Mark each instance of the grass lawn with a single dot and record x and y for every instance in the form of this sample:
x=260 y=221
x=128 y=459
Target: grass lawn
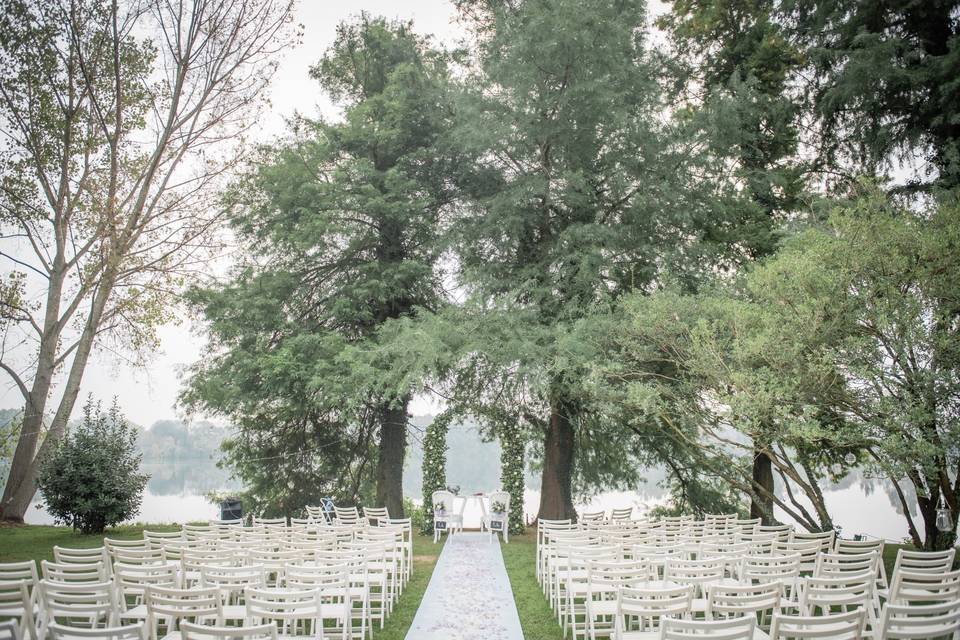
x=33 y=542
x=536 y=618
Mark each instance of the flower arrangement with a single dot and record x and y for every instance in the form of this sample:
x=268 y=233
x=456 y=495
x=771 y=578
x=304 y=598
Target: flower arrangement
x=498 y=508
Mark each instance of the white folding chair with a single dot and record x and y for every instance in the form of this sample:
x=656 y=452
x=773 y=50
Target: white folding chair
x=89 y=605
x=298 y=614
x=18 y=595
x=847 y=593
x=641 y=610
x=908 y=587
x=167 y=607
x=842 y=626
x=920 y=621
x=731 y=629
x=74 y=573
x=755 y=601
x=622 y=514
x=231 y=582
x=132 y=581
x=936 y=562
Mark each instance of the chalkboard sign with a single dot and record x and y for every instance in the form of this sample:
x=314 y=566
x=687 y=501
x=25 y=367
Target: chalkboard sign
x=440 y=525
x=496 y=525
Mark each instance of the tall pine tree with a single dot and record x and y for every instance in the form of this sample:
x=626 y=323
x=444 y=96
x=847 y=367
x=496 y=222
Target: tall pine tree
x=340 y=222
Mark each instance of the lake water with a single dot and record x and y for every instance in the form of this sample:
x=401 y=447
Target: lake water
x=176 y=495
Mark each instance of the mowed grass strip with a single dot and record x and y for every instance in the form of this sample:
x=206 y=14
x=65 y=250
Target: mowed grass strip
x=537 y=620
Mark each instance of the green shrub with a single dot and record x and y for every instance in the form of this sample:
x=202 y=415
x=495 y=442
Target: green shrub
x=92 y=479
x=416 y=514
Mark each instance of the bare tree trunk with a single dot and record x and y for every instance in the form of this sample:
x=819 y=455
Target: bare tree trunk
x=21 y=482
x=761 y=502
x=556 y=486
x=393 y=445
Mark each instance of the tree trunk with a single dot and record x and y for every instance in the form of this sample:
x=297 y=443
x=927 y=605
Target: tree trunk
x=761 y=502
x=21 y=481
x=556 y=486
x=393 y=444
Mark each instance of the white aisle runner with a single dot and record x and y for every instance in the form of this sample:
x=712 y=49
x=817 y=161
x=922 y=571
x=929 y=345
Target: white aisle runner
x=469 y=595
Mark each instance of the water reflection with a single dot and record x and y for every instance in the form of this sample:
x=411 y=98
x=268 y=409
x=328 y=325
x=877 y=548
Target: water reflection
x=175 y=493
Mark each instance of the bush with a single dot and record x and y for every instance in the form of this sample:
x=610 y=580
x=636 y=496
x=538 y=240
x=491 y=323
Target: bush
x=416 y=514
x=92 y=479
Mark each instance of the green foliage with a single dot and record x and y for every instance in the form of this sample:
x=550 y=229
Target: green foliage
x=882 y=78
x=434 y=465
x=417 y=514
x=512 y=464
x=92 y=479
x=340 y=223
x=837 y=344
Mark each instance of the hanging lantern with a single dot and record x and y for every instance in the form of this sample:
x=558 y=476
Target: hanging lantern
x=850 y=458
x=944 y=517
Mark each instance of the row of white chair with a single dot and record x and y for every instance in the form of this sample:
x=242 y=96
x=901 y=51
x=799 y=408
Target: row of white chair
x=595 y=573
x=125 y=580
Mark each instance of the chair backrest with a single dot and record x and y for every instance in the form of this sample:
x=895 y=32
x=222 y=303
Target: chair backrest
x=134 y=579
x=233 y=580
x=622 y=514
x=69 y=555
x=825 y=594
x=653 y=603
x=628 y=573
x=779 y=531
x=842 y=545
x=178 y=604
x=126 y=632
x=127 y=555
x=920 y=621
x=347 y=515
x=112 y=544
x=731 y=629
x=924 y=561
x=376 y=514
x=696 y=572
x=770 y=568
x=588 y=516
x=74 y=573
x=190 y=631
x=154 y=538
x=94 y=602
x=16 y=571
x=839 y=564
x=282 y=605
x=269 y=522
x=826 y=538
x=841 y=626
x=725 y=600
x=924 y=587
x=325 y=577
